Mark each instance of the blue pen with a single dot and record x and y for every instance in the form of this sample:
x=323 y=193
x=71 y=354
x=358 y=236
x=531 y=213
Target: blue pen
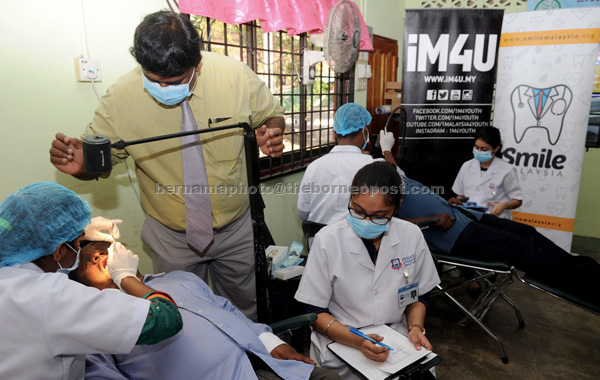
x=360 y=333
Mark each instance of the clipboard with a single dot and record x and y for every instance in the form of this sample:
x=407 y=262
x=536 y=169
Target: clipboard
x=416 y=369
x=407 y=366
x=413 y=371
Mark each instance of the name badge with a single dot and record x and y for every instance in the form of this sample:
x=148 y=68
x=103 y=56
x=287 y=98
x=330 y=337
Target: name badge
x=408 y=294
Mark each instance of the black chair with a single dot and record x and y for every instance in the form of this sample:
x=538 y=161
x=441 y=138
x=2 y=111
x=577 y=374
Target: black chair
x=544 y=286
x=310 y=229
x=286 y=327
x=496 y=275
x=287 y=316
x=281 y=293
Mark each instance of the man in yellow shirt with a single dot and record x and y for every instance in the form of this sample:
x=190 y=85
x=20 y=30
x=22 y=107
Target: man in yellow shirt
x=146 y=102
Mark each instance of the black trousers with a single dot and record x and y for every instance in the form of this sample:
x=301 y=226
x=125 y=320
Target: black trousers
x=264 y=372
x=521 y=246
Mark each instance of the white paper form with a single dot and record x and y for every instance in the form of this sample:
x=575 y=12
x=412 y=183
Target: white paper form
x=358 y=361
x=403 y=354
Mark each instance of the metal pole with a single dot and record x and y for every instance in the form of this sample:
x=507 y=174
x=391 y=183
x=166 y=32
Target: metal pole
x=262 y=236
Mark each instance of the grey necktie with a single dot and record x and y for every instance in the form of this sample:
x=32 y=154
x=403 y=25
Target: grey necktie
x=198 y=212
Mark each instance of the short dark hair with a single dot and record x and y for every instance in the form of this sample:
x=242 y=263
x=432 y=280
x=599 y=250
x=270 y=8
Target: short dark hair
x=166 y=44
x=491 y=136
x=382 y=177
x=349 y=135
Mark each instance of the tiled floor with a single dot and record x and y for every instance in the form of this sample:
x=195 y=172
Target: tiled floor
x=559 y=340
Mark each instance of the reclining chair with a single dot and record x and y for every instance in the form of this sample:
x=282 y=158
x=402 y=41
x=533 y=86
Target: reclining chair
x=497 y=276
x=559 y=293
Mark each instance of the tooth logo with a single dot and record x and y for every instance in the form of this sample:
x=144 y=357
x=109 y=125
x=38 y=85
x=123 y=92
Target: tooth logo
x=543 y=108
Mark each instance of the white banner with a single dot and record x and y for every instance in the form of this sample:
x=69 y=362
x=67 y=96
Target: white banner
x=544 y=86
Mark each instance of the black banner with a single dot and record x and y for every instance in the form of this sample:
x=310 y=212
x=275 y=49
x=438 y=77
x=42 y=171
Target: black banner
x=448 y=83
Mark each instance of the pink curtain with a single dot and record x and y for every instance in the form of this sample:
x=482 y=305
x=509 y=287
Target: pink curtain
x=294 y=16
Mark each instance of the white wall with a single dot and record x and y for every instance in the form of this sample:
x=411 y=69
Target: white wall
x=39 y=95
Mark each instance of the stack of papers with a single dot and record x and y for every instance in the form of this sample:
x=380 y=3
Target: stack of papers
x=402 y=355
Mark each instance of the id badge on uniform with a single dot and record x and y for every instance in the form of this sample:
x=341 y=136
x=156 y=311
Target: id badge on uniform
x=408 y=294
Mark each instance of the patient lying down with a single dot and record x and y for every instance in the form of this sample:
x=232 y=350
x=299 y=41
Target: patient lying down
x=217 y=340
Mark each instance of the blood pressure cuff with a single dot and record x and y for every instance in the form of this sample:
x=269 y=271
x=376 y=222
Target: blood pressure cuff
x=162 y=322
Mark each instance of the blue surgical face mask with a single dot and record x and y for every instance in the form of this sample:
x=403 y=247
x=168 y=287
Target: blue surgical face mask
x=367 y=229
x=482 y=156
x=75 y=264
x=169 y=95
x=366 y=137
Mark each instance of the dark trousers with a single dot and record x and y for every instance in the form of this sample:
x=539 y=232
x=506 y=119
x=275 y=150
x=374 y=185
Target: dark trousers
x=264 y=372
x=521 y=246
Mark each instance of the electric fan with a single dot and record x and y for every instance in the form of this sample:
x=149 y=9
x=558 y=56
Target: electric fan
x=340 y=42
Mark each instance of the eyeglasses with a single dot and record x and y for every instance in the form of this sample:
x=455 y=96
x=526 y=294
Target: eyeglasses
x=361 y=215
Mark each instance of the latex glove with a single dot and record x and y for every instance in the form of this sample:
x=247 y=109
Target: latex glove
x=93 y=231
x=121 y=263
x=386 y=140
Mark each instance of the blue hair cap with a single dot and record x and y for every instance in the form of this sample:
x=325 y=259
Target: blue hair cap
x=349 y=118
x=37 y=218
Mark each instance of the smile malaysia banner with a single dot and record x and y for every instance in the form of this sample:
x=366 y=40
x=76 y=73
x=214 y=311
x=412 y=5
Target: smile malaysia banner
x=546 y=5
x=448 y=79
x=546 y=64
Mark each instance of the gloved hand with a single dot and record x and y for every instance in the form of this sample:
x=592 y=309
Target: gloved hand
x=386 y=140
x=93 y=231
x=121 y=263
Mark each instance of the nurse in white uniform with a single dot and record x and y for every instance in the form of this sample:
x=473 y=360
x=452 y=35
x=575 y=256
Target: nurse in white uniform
x=324 y=190
x=488 y=180
x=368 y=269
x=48 y=322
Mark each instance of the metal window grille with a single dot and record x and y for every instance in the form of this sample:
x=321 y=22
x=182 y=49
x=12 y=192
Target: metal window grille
x=277 y=59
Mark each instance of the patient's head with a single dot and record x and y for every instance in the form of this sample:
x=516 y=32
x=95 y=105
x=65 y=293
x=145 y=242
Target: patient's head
x=92 y=266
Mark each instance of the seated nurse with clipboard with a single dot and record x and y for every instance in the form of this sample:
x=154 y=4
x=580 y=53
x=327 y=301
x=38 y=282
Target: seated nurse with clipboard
x=490 y=183
x=368 y=269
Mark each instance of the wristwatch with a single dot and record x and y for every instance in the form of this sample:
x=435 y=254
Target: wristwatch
x=422 y=329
